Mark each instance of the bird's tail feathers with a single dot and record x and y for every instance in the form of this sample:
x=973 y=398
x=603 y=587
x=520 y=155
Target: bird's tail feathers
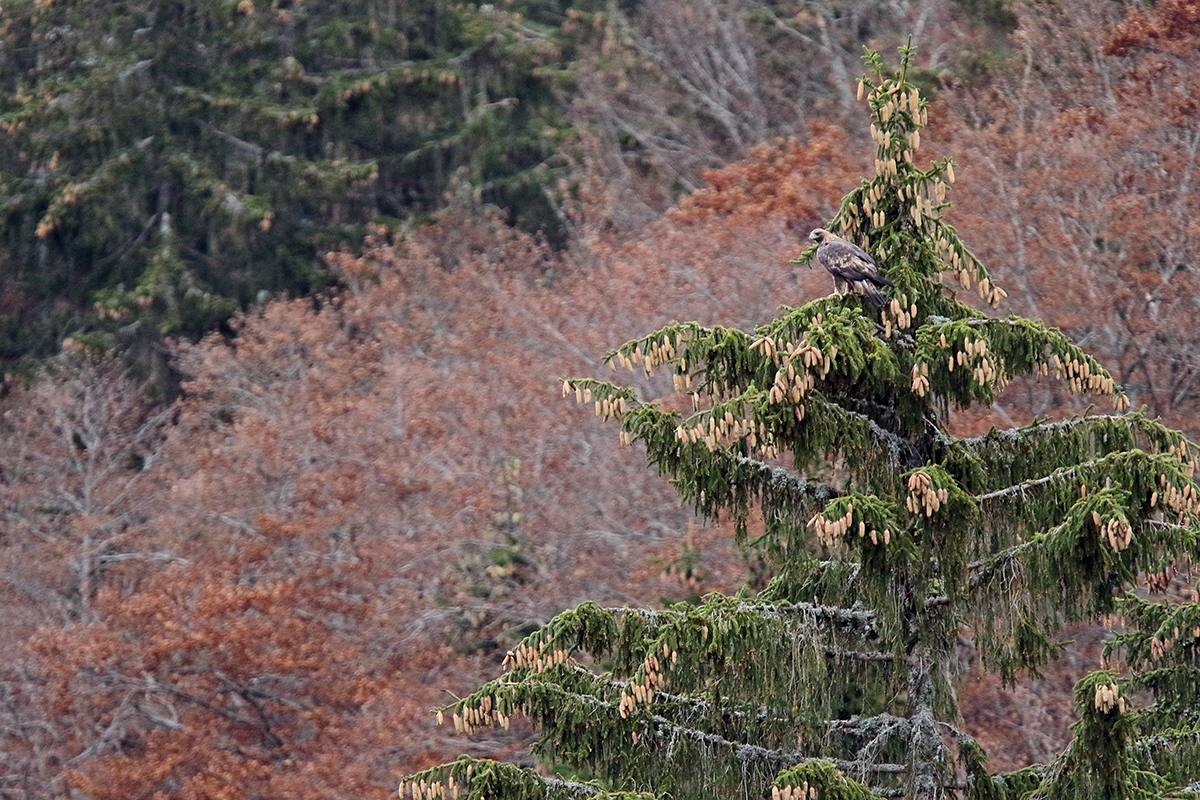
x=874 y=295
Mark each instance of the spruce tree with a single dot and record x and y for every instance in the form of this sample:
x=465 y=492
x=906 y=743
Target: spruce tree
x=164 y=162
x=838 y=679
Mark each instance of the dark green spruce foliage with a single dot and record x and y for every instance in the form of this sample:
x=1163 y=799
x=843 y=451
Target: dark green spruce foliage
x=162 y=162
x=919 y=536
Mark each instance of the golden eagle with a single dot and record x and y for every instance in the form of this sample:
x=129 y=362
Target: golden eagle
x=849 y=265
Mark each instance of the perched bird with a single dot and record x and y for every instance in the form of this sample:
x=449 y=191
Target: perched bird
x=849 y=265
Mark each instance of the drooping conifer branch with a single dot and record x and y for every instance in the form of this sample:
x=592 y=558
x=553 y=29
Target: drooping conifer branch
x=635 y=633
x=1112 y=504
x=970 y=360
x=576 y=715
x=723 y=648
x=870 y=725
x=1081 y=562
x=732 y=441
x=987 y=463
x=779 y=481
x=1024 y=490
x=477 y=779
x=1163 y=639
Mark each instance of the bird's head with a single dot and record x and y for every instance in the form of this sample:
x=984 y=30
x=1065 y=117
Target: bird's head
x=820 y=236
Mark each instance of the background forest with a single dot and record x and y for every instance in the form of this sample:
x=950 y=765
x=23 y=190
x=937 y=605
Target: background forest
x=287 y=292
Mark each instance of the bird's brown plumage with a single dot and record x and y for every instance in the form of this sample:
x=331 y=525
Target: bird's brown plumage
x=849 y=265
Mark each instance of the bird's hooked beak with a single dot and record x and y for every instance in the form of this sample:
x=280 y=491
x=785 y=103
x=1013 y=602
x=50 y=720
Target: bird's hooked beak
x=814 y=236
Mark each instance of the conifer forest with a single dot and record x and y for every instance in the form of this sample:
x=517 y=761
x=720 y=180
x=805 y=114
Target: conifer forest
x=444 y=400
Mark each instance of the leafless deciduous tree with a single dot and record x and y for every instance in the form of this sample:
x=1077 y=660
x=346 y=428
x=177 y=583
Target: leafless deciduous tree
x=688 y=86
